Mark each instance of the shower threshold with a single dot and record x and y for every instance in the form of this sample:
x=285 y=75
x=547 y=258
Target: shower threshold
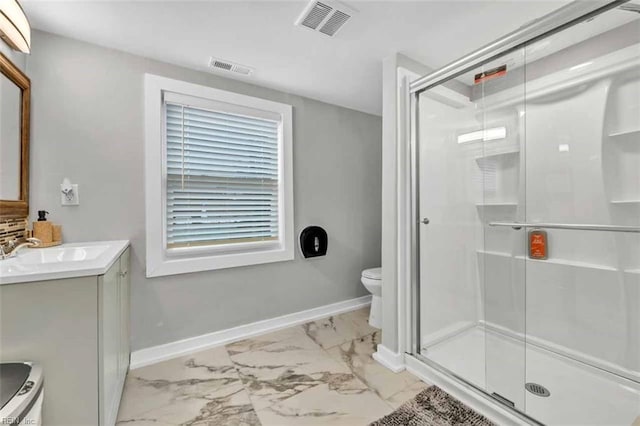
x=578 y=394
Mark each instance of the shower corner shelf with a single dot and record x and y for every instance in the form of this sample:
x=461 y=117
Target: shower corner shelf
x=494 y=253
x=558 y=262
x=505 y=205
x=569 y=263
x=496 y=211
x=496 y=155
x=624 y=202
x=626 y=135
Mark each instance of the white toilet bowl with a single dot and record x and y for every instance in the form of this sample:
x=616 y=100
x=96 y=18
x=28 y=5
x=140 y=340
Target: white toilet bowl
x=372 y=280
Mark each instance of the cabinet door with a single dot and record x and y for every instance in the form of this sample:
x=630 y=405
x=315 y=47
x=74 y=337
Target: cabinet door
x=109 y=343
x=55 y=324
x=125 y=312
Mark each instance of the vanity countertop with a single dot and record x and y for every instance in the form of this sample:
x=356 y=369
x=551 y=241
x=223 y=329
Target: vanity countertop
x=64 y=261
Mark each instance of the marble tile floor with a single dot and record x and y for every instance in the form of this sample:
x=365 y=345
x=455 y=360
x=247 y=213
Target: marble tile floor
x=319 y=373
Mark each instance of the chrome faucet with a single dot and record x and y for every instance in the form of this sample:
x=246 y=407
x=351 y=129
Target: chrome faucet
x=11 y=249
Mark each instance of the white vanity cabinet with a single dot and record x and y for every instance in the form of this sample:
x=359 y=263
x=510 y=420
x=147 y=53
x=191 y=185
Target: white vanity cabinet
x=77 y=328
x=113 y=337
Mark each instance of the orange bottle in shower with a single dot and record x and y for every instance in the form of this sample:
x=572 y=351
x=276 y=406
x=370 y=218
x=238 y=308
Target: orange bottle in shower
x=537 y=244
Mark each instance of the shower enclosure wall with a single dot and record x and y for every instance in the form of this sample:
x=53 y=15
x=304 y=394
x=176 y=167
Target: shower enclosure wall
x=527 y=218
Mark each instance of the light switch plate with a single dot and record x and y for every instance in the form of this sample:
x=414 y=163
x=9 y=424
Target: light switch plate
x=70 y=199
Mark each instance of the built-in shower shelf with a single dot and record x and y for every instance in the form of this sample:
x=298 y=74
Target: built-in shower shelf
x=496 y=155
x=562 y=262
x=566 y=262
x=493 y=253
x=496 y=211
x=626 y=202
x=508 y=205
x=627 y=135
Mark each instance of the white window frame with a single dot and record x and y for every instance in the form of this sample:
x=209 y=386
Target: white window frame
x=161 y=261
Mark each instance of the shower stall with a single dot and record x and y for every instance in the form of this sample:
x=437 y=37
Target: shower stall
x=526 y=218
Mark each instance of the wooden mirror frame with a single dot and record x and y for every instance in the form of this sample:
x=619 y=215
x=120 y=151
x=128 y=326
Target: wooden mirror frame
x=19 y=208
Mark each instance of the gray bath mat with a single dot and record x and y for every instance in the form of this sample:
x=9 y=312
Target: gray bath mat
x=433 y=407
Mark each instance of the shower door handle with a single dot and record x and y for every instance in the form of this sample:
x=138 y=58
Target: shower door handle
x=425 y=221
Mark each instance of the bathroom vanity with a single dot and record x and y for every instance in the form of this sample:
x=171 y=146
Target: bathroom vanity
x=67 y=308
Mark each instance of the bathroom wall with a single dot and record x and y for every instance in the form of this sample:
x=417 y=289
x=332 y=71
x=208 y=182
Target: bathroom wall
x=88 y=125
x=19 y=59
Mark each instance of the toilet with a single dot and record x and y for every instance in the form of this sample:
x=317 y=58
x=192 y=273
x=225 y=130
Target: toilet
x=372 y=280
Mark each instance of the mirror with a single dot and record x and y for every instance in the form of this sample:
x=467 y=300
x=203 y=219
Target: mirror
x=15 y=89
x=10 y=146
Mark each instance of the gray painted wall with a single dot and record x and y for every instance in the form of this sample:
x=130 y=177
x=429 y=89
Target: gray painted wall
x=87 y=124
x=19 y=59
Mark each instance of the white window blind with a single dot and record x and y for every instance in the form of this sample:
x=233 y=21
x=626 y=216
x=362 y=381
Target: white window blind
x=221 y=174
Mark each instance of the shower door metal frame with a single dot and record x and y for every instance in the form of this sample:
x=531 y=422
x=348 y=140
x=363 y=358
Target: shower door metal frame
x=565 y=17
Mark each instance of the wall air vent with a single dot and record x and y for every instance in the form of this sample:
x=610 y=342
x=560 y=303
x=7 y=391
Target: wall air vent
x=326 y=17
x=230 y=67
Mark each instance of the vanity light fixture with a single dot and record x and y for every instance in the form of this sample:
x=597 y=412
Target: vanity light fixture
x=14 y=26
x=484 y=135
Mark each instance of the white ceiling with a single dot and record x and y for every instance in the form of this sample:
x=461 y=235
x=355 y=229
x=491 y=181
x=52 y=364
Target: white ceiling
x=344 y=70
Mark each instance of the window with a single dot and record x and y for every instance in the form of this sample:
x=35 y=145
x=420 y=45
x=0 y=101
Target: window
x=218 y=179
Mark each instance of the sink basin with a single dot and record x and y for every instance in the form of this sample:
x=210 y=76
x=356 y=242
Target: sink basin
x=64 y=261
x=61 y=254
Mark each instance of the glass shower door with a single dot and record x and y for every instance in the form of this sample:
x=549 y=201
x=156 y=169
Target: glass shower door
x=502 y=166
x=583 y=185
x=471 y=286
x=528 y=197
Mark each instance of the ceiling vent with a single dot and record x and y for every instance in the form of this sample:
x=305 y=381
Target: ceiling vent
x=229 y=67
x=326 y=17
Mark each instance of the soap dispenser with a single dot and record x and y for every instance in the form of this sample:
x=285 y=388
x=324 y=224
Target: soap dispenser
x=43 y=229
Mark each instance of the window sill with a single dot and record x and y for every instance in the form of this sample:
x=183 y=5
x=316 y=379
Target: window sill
x=183 y=265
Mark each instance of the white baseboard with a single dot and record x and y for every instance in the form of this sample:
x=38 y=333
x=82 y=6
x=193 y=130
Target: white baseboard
x=155 y=354
x=394 y=361
x=465 y=394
